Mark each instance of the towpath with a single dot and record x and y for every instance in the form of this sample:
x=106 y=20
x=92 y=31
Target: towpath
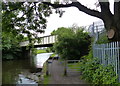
x=56 y=70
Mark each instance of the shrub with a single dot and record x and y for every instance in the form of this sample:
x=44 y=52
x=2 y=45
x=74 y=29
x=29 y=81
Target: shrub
x=96 y=73
x=104 y=75
x=72 y=44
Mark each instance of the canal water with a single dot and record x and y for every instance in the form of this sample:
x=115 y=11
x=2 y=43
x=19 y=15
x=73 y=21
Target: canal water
x=23 y=71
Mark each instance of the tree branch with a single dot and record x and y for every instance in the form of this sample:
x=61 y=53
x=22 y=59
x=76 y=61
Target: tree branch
x=79 y=6
x=105 y=7
x=104 y=4
x=117 y=13
x=58 y=5
x=87 y=10
x=117 y=10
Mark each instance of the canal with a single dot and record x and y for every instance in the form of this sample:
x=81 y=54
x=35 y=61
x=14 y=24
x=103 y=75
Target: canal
x=23 y=71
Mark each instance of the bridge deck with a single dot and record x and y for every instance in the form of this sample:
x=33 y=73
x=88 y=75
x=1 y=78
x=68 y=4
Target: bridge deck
x=45 y=41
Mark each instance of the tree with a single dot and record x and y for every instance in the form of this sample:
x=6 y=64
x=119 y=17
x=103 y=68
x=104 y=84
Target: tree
x=25 y=18
x=111 y=21
x=10 y=45
x=71 y=44
x=20 y=19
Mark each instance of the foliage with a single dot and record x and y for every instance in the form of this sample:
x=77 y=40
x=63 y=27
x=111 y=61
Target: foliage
x=102 y=39
x=37 y=51
x=75 y=66
x=96 y=73
x=53 y=55
x=21 y=19
x=50 y=49
x=40 y=51
x=10 y=45
x=46 y=80
x=25 y=17
x=45 y=76
x=71 y=44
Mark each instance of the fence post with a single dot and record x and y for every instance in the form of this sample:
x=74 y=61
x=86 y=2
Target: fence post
x=47 y=68
x=65 y=69
x=118 y=57
x=115 y=56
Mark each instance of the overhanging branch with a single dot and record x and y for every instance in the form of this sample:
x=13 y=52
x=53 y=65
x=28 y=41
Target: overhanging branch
x=87 y=10
x=58 y=5
x=117 y=10
x=105 y=7
x=79 y=6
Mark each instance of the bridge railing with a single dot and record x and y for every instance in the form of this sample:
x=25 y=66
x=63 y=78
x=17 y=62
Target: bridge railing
x=44 y=40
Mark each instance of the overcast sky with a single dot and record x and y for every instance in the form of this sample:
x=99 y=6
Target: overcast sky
x=71 y=16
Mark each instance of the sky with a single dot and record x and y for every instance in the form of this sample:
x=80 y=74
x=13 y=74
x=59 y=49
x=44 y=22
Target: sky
x=71 y=16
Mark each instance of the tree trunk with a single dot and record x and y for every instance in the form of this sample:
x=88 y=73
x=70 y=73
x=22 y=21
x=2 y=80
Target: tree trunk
x=113 y=29
x=116 y=36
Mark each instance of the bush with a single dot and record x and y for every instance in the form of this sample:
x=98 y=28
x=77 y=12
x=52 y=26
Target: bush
x=104 y=75
x=102 y=39
x=72 y=44
x=96 y=73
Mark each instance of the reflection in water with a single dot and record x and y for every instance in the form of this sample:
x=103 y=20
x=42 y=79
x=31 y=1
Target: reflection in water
x=11 y=70
x=19 y=71
x=24 y=80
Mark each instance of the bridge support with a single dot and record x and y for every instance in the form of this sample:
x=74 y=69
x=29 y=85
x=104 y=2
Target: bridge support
x=25 y=53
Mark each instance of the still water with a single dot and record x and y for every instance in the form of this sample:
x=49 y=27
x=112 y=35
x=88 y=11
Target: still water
x=23 y=71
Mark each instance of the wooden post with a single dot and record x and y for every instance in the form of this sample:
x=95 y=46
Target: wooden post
x=65 y=69
x=47 y=68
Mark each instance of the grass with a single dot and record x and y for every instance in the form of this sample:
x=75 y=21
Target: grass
x=53 y=55
x=74 y=66
x=46 y=80
x=46 y=77
x=41 y=51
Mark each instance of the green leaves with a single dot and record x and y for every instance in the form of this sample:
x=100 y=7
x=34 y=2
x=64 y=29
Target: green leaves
x=28 y=17
x=96 y=73
x=71 y=44
x=10 y=45
x=20 y=19
x=106 y=75
x=8 y=56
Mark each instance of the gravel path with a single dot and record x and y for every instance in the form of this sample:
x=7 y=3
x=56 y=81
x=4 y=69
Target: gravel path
x=56 y=70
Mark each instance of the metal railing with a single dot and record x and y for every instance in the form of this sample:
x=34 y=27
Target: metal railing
x=97 y=30
x=71 y=66
x=108 y=54
x=44 y=40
